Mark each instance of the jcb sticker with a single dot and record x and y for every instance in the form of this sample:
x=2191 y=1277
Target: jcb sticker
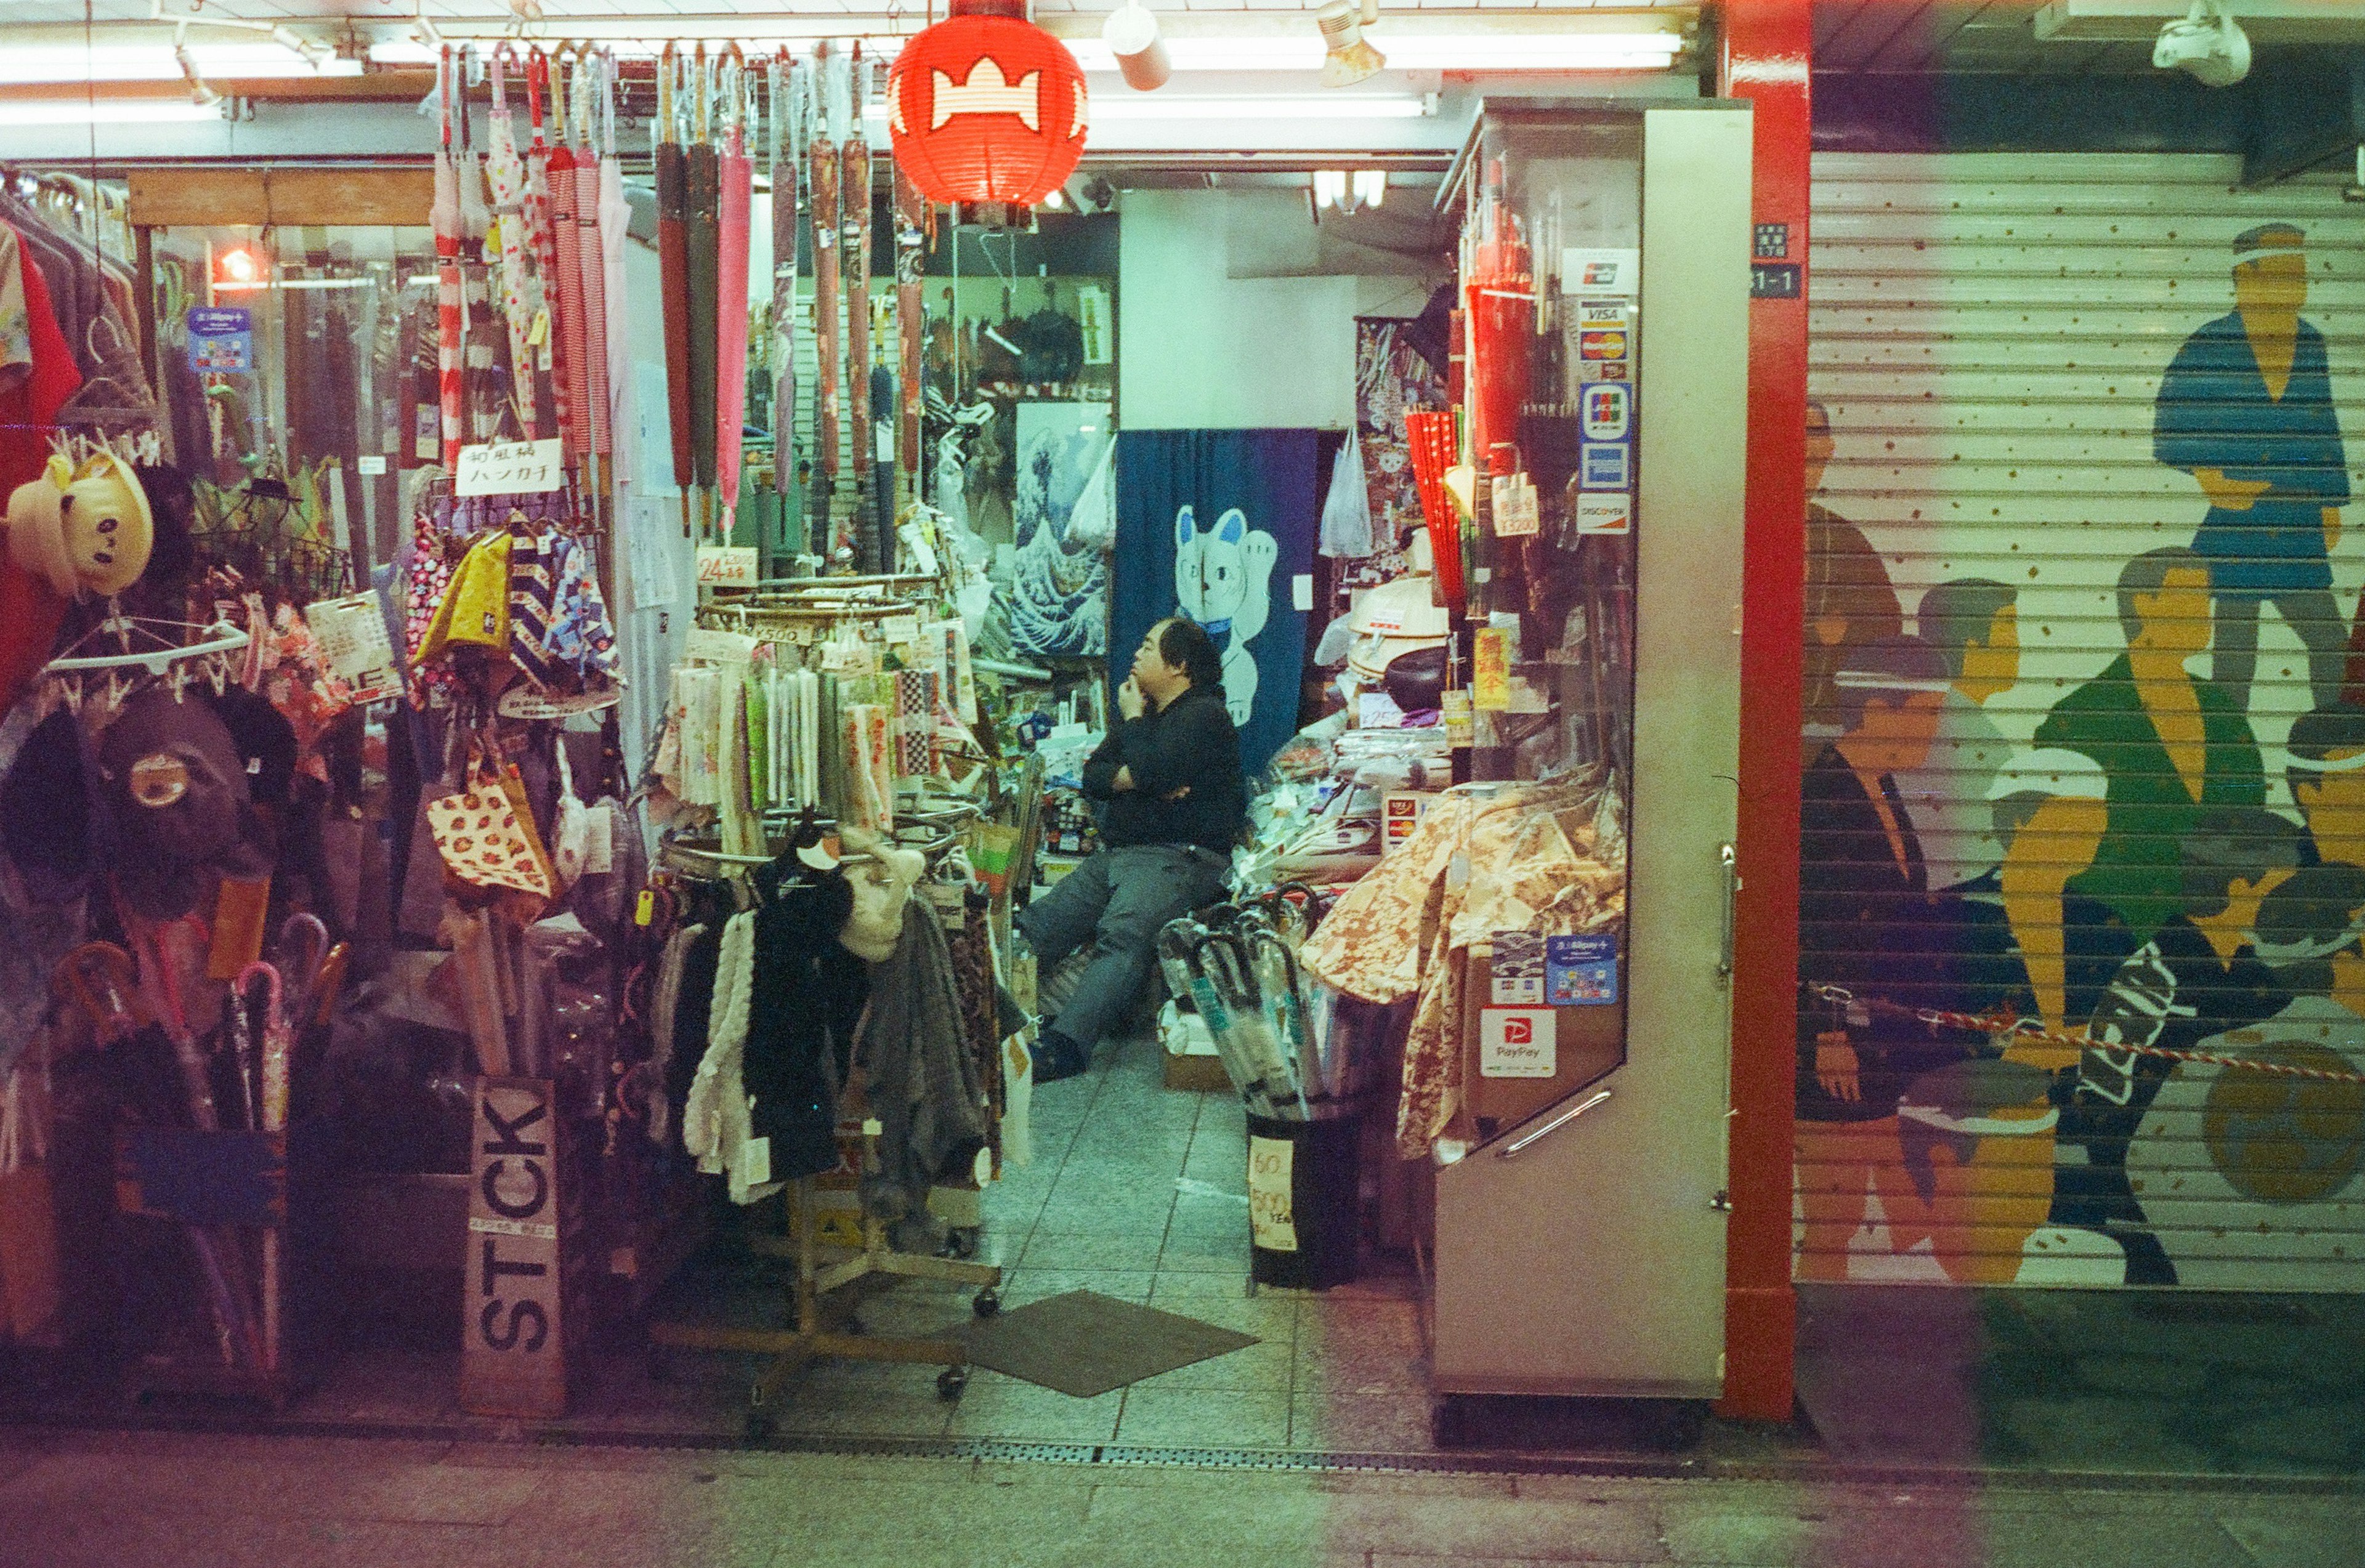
x=1608 y=411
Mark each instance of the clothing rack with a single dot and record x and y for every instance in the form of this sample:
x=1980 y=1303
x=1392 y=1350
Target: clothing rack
x=809 y=1338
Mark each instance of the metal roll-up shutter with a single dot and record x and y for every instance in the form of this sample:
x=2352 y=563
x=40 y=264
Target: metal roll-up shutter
x=1991 y=336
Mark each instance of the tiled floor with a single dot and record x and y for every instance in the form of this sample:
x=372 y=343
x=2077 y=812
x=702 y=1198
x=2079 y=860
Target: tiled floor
x=1139 y=1192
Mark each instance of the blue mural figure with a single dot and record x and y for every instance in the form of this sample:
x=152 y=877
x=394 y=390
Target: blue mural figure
x=2199 y=975
x=2245 y=409
x=2171 y=747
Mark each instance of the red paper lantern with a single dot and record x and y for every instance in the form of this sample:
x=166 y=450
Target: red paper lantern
x=986 y=107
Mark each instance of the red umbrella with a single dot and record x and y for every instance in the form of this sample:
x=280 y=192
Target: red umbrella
x=567 y=330
x=446 y=218
x=673 y=269
x=701 y=227
x=737 y=195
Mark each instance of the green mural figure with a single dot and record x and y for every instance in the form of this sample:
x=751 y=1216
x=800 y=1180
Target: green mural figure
x=1850 y=601
x=2198 y=975
x=2171 y=747
x=1974 y=625
x=2245 y=409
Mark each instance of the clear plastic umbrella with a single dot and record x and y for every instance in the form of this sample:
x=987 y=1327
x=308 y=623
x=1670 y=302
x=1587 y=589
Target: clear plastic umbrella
x=521 y=290
x=615 y=229
x=589 y=257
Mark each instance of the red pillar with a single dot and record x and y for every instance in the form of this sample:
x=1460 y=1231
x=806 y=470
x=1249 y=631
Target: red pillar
x=1767 y=48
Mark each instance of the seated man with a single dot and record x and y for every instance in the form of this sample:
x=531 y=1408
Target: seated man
x=1174 y=802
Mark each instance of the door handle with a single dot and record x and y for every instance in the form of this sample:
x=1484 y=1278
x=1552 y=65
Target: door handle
x=1732 y=863
x=1541 y=1133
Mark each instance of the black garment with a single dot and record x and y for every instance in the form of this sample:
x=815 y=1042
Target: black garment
x=1881 y=934
x=2173 y=993
x=808 y=995
x=1189 y=744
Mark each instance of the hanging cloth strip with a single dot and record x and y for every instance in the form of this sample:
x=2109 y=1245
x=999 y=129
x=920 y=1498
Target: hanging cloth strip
x=541 y=227
x=589 y=257
x=853 y=199
x=737 y=177
x=821 y=159
x=521 y=290
x=446 y=219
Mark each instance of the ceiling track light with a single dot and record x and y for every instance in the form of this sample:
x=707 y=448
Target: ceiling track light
x=1347 y=58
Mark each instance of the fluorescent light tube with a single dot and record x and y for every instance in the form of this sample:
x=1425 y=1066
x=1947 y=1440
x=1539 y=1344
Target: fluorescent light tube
x=155 y=63
x=1111 y=108
x=104 y=111
x=1414 y=51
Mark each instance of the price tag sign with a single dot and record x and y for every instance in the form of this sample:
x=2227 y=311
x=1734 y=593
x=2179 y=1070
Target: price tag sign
x=353 y=642
x=1490 y=676
x=1271 y=1163
x=221 y=340
x=511 y=468
x=1516 y=513
x=727 y=566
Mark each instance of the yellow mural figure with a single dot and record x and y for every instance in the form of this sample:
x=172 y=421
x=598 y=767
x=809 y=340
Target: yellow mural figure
x=2326 y=774
x=2050 y=816
x=2246 y=407
x=1850 y=601
x=2238 y=1166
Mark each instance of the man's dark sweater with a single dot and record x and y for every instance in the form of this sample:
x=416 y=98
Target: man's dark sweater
x=1189 y=744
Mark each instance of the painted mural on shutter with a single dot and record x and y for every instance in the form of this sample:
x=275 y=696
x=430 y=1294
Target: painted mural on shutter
x=2071 y=484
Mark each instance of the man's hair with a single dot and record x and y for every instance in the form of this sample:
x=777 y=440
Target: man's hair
x=2233 y=844
x=2282 y=236
x=1815 y=410
x=2313 y=918
x=1184 y=643
x=2315 y=737
x=1955 y=615
x=2145 y=574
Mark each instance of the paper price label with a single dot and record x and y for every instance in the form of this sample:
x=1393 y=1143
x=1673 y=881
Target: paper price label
x=511 y=468
x=1271 y=1163
x=727 y=566
x=1516 y=513
x=353 y=643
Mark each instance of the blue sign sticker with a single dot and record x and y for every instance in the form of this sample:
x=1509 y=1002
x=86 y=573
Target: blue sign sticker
x=221 y=339
x=1603 y=465
x=1581 y=971
x=1607 y=407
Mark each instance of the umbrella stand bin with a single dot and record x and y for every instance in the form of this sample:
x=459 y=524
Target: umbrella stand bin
x=1303 y=1205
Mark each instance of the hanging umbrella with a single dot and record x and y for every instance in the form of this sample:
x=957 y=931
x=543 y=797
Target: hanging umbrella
x=704 y=215
x=853 y=197
x=615 y=227
x=589 y=259
x=446 y=219
x=567 y=330
x=787 y=112
x=821 y=159
x=911 y=317
x=521 y=290
x=673 y=269
x=737 y=174
x=541 y=229
x=476 y=306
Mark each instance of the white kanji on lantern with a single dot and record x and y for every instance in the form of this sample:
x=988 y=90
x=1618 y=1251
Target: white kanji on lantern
x=1077 y=129
x=986 y=93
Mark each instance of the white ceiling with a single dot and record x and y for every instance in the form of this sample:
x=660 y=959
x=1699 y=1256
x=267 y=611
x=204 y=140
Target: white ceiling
x=557 y=11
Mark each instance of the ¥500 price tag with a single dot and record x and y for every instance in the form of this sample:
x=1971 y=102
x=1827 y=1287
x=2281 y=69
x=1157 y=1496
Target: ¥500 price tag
x=1272 y=1225
x=511 y=468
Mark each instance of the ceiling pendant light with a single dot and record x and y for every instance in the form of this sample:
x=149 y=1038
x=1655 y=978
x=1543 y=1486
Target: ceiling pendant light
x=1131 y=35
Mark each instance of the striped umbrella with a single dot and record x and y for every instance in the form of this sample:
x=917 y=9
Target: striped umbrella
x=446 y=219
x=521 y=290
x=615 y=227
x=737 y=195
x=673 y=269
x=566 y=237
x=701 y=227
x=541 y=229
x=588 y=257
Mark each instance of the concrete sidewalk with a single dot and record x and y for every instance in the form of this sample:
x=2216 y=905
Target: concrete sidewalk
x=131 y=1500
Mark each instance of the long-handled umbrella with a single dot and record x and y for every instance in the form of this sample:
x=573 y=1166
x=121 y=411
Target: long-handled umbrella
x=821 y=159
x=673 y=269
x=737 y=174
x=541 y=229
x=446 y=219
x=590 y=261
x=911 y=317
x=615 y=229
x=476 y=305
x=521 y=290
x=787 y=77
x=566 y=237
x=854 y=199
x=705 y=242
